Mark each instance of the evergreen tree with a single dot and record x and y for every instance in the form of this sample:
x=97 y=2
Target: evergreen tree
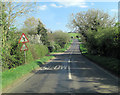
x=43 y=32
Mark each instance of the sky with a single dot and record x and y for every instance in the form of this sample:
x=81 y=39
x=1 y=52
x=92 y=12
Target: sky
x=56 y=15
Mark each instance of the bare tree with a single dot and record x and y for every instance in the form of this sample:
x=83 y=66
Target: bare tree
x=9 y=11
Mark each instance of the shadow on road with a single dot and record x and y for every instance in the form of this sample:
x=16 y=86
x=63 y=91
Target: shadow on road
x=86 y=76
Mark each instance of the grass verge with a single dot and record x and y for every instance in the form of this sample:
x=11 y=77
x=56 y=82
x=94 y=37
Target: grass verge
x=108 y=63
x=73 y=34
x=9 y=76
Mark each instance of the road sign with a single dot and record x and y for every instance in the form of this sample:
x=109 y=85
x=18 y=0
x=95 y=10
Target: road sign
x=24 y=47
x=23 y=39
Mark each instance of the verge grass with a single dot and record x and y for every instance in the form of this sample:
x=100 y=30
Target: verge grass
x=73 y=34
x=109 y=63
x=9 y=76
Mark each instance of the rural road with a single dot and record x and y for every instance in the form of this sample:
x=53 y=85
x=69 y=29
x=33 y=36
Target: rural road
x=69 y=72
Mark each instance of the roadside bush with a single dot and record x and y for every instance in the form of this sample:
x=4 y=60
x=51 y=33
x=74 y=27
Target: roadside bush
x=51 y=48
x=73 y=35
x=99 y=31
x=11 y=55
x=38 y=51
x=61 y=38
x=57 y=47
x=58 y=40
x=104 y=42
x=54 y=47
x=108 y=63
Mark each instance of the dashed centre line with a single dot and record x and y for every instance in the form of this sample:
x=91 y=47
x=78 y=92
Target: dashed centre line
x=69 y=71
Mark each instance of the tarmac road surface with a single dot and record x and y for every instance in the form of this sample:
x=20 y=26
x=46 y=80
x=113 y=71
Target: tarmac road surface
x=69 y=72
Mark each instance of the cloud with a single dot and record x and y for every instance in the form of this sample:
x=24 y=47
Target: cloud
x=54 y=5
x=43 y=7
x=77 y=4
x=69 y=3
x=83 y=6
x=114 y=10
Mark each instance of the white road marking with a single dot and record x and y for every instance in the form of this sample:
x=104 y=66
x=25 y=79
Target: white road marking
x=45 y=68
x=55 y=67
x=61 y=67
x=65 y=67
x=69 y=61
x=58 y=67
x=69 y=72
x=50 y=67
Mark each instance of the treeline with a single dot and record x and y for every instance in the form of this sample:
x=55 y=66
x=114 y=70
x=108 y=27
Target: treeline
x=54 y=40
x=99 y=31
x=41 y=40
x=58 y=40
